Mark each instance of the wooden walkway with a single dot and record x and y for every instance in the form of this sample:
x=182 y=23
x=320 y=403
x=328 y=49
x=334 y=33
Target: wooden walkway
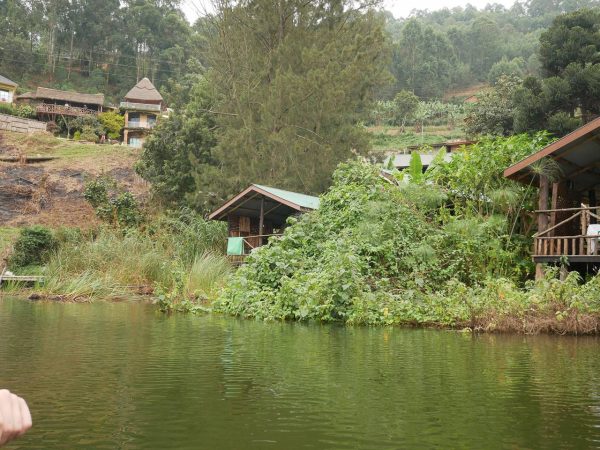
x=28 y=279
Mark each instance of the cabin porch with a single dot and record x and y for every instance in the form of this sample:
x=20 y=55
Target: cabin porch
x=567 y=173
x=572 y=233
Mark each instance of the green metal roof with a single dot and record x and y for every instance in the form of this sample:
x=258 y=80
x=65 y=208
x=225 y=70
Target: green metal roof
x=302 y=200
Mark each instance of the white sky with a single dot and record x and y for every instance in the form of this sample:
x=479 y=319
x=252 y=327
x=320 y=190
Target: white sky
x=400 y=8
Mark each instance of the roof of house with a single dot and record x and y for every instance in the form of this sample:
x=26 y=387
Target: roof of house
x=6 y=81
x=302 y=200
x=577 y=154
x=26 y=95
x=144 y=90
x=69 y=96
x=278 y=203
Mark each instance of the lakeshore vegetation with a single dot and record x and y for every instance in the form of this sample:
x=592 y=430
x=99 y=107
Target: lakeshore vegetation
x=294 y=104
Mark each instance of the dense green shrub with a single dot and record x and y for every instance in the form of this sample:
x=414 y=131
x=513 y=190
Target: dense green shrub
x=24 y=111
x=112 y=204
x=371 y=250
x=112 y=122
x=33 y=247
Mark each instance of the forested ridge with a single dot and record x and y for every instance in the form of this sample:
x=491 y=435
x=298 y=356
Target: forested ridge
x=107 y=45
x=434 y=51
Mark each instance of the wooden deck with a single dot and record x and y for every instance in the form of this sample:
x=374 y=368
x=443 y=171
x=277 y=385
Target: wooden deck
x=559 y=242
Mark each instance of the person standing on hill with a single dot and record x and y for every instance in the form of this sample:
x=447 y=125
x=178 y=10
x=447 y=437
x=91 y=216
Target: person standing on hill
x=15 y=418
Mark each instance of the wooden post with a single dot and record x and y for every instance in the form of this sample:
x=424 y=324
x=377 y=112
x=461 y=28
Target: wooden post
x=554 y=203
x=542 y=218
x=261 y=221
x=585 y=221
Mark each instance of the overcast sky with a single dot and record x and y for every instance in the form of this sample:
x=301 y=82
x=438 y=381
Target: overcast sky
x=400 y=8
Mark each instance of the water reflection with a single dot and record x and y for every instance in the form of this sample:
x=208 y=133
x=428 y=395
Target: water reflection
x=124 y=376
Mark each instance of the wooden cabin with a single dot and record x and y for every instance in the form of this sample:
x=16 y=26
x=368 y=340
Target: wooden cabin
x=8 y=89
x=52 y=103
x=143 y=106
x=568 y=214
x=258 y=213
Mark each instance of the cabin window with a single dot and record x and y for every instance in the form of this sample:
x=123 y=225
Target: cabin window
x=135 y=142
x=5 y=96
x=134 y=119
x=151 y=120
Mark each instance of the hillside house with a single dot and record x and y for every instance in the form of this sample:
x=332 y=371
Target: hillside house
x=50 y=103
x=8 y=89
x=258 y=213
x=568 y=214
x=143 y=106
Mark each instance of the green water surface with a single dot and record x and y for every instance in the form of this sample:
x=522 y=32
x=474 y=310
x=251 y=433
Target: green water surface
x=122 y=376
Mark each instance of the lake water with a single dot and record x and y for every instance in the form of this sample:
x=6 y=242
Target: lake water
x=121 y=375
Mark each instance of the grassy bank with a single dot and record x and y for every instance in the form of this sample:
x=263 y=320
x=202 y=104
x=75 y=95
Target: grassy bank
x=181 y=253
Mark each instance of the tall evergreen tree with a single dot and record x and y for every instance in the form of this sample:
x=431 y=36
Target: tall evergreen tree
x=293 y=79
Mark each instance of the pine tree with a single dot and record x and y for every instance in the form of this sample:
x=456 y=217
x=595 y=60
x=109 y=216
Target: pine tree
x=293 y=79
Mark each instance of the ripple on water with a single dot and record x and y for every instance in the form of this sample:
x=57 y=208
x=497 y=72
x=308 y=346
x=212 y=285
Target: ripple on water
x=122 y=376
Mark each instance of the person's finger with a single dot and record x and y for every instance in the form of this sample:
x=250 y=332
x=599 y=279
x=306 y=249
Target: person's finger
x=26 y=421
x=16 y=415
x=6 y=421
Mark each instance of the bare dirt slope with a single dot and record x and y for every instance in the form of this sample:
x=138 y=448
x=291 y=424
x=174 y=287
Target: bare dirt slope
x=51 y=192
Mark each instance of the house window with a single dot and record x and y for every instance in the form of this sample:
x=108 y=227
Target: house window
x=5 y=96
x=151 y=120
x=134 y=120
x=135 y=142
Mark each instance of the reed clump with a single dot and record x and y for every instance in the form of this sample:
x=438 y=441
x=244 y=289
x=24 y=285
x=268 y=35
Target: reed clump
x=109 y=262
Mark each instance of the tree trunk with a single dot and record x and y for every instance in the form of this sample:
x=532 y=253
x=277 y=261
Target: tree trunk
x=70 y=56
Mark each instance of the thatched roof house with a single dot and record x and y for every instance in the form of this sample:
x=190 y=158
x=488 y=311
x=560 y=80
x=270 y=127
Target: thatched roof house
x=144 y=92
x=51 y=103
x=143 y=106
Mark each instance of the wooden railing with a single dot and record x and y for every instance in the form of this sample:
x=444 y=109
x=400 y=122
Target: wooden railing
x=250 y=243
x=46 y=108
x=551 y=242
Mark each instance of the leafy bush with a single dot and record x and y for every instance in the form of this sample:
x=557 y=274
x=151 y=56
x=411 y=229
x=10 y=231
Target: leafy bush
x=112 y=122
x=88 y=134
x=369 y=247
x=24 y=111
x=33 y=247
x=112 y=205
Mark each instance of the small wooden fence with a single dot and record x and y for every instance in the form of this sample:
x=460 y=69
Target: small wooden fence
x=552 y=243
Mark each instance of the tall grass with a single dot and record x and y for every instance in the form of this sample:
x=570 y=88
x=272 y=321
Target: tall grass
x=114 y=263
x=208 y=275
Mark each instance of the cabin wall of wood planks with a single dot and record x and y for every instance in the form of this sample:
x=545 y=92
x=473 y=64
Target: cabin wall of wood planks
x=242 y=226
x=20 y=125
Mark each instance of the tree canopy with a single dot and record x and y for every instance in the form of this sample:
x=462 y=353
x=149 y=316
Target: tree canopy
x=289 y=94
